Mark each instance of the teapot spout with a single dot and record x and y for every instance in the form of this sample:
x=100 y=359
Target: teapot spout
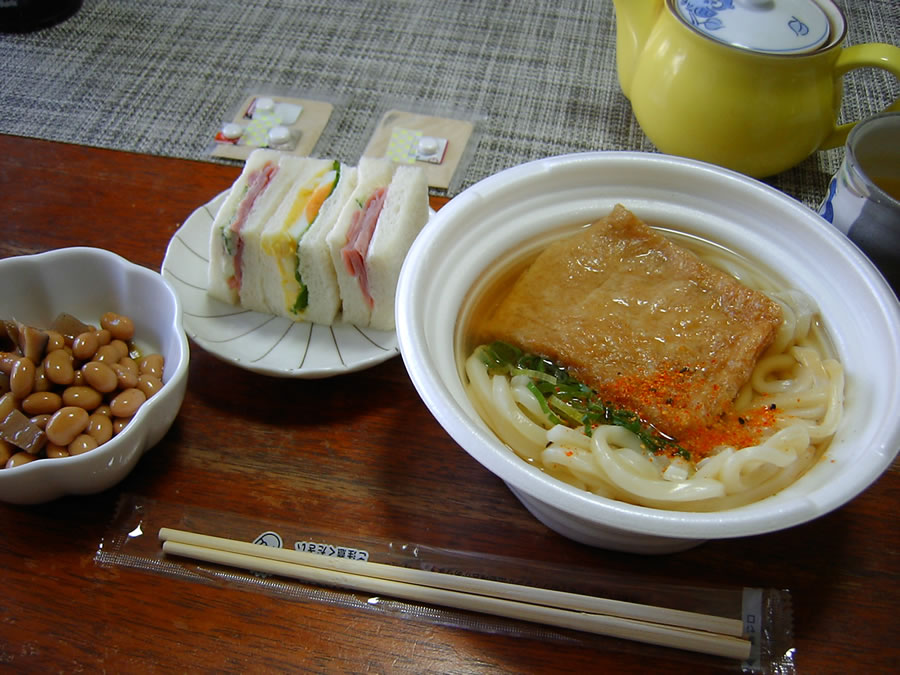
x=634 y=20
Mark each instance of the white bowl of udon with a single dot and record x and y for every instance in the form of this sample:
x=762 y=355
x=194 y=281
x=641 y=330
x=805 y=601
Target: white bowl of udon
x=840 y=341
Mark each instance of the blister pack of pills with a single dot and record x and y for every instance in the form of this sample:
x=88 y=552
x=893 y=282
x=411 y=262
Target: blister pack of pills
x=438 y=142
x=283 y=123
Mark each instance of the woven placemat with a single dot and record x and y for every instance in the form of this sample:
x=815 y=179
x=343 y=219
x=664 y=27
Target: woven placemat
x=159 y=77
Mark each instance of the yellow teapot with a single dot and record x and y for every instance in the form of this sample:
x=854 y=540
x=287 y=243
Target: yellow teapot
x=752 y=85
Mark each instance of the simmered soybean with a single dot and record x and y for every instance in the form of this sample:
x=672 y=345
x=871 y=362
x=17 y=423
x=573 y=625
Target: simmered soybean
x=82 y=397
x=100 y=427
x=152 y=364
x=126 y=373
x=58 y=367
x=85 y=345
x=149 y=384
x=42 y=402
x=80 y=392
x=21 y=377
x=81 y=444
x=66 y=423
x=100 y=376
x=18 y=459
x=127 y=402
x=119 y=327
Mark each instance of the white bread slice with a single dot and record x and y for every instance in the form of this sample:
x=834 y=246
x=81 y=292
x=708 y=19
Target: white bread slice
x=404 y=214
x=315 y=266
x=256 y=193
x=373 y=174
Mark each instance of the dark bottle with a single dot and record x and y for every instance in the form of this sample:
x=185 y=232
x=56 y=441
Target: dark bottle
x=24 y=16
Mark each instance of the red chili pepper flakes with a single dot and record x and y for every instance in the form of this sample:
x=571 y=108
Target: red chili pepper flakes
x=673 y=389
x=731 y=429
x=676 y=389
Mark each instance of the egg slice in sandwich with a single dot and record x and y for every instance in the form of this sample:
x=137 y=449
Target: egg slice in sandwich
x=291 y=274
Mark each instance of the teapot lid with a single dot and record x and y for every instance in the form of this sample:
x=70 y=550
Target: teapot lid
x=770 y=26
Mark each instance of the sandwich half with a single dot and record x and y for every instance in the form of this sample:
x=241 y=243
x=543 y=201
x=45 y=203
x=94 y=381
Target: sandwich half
x=254 y=197
x=293 y=268
x=373 y=233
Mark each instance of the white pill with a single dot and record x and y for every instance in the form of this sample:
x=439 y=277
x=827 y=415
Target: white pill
x=428 y=145
x=264 y=105
x=232 y=130
x=279 y=135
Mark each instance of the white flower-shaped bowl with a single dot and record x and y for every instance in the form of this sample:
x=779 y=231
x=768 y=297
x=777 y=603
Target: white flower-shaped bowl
x=87 y=282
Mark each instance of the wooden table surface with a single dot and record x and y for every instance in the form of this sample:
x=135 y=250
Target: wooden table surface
x=357 y=456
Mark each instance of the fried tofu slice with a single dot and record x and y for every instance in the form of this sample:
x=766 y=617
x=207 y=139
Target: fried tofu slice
x=641 y=320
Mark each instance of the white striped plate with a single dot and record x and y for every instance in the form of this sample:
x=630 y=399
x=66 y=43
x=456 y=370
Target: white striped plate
x=258 y=342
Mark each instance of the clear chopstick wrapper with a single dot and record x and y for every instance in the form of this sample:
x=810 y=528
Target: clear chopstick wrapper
x=740 y=629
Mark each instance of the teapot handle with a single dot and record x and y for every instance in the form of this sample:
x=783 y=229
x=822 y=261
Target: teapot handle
x=871 y=55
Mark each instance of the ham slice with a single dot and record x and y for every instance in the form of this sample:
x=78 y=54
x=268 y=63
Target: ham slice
x=257 y=182
x=358 y=238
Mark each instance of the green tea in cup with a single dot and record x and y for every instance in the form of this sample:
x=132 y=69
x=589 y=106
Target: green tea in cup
x=863 y=199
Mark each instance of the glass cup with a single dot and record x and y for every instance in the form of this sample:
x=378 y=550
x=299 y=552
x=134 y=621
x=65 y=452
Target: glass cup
x=863 y=199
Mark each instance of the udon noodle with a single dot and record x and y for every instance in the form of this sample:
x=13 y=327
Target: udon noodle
x=797 y=383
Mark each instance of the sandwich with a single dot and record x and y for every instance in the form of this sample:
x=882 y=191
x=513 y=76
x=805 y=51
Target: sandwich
x=371 y=237
x=253 y=198
x=267 y=243
x=316 y=240
x=292 y=271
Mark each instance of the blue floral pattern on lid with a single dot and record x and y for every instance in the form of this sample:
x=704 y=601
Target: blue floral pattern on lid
x=704 y=14
x=771 y=26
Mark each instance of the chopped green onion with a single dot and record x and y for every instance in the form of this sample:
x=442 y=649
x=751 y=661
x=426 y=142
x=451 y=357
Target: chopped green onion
x=566 y=409
x=555 y=389
x=533 y=374
x=543 y=403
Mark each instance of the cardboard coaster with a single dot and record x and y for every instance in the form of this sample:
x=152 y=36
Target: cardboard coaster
x=437 y=144
x=282 y=123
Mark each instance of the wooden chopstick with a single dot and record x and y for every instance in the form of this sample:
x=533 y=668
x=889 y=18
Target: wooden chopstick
x=533 y=595
x=643 y=623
